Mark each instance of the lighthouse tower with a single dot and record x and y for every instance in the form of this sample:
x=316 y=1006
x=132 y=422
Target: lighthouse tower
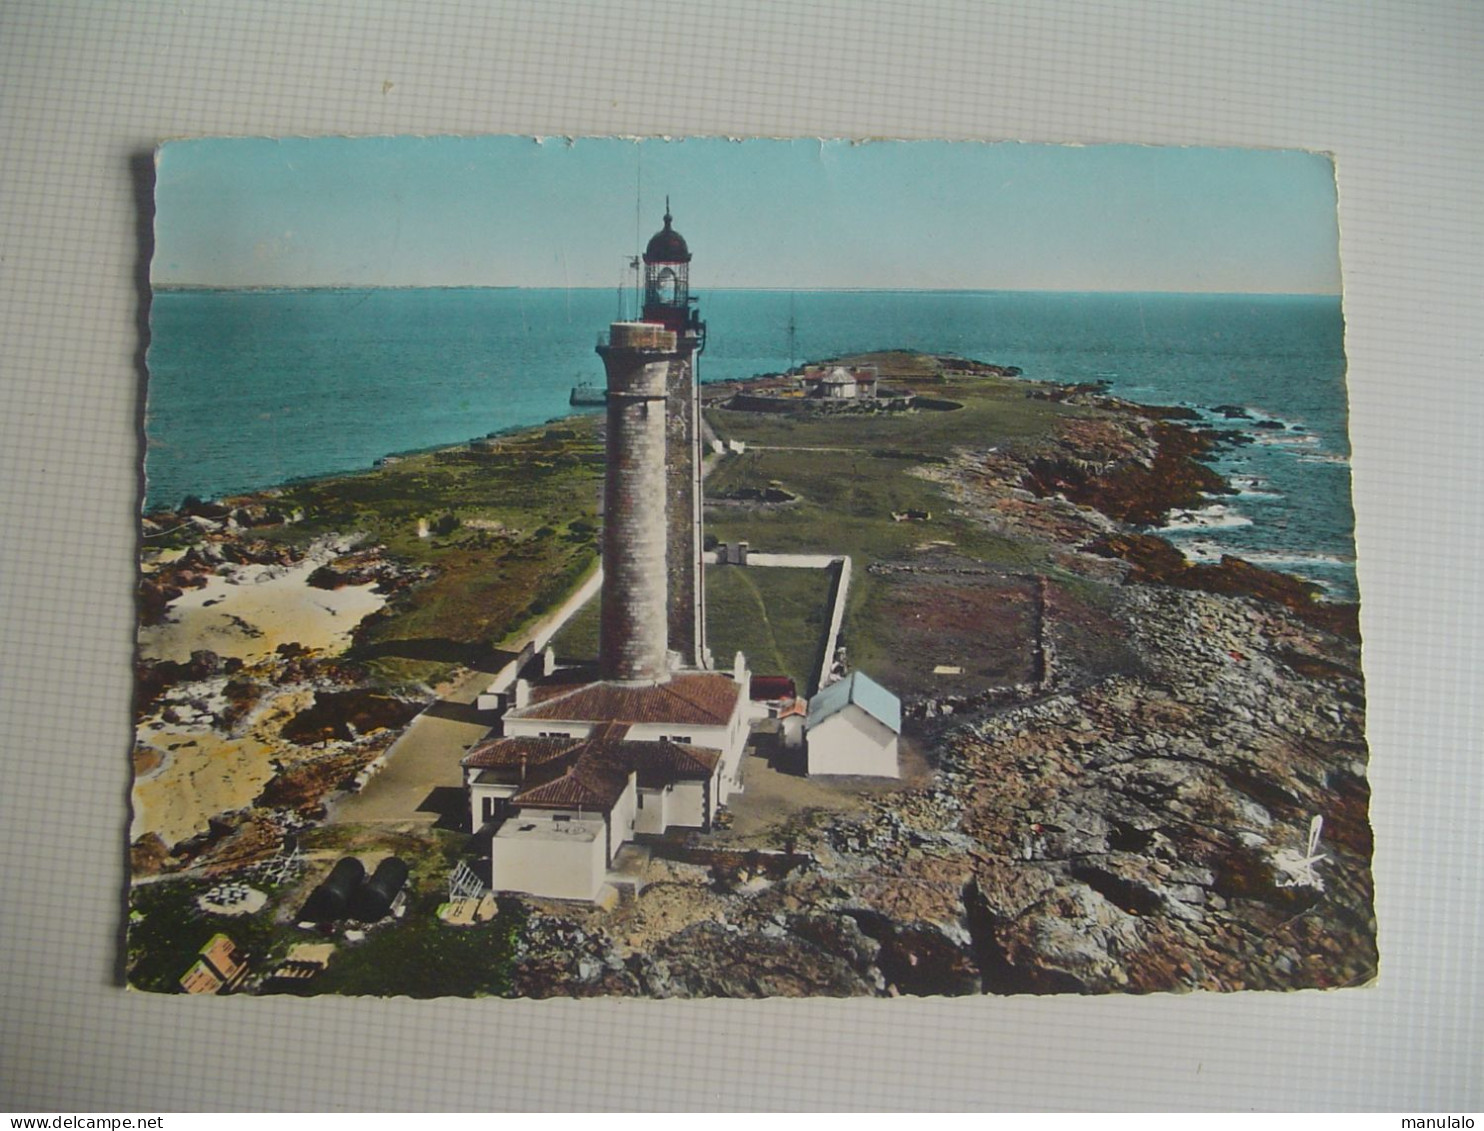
x=669 y=303
x=633 y=635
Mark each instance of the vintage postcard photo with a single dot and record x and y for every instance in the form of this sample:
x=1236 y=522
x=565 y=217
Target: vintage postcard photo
x=705 y=568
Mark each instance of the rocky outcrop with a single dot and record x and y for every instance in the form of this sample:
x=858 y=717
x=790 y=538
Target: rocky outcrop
x=304 y=786
x=725 y=960
x=347 y=714
x=1155 y=561
x=153 y=678
x=1144 y=834
x=368 y=567
x=1135 y=471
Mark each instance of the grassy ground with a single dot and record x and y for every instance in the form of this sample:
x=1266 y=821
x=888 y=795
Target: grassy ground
x=852 y=472
x=776 y=617
x=515 y=526
x=846 y=502
x=577 y=642
x=423 y=957
x=996 y=410
x=518 y=530
x=917 y=622
x=417 y=955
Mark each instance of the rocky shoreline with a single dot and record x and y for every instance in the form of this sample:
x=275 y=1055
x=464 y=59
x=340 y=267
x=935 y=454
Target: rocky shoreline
x=234 y=752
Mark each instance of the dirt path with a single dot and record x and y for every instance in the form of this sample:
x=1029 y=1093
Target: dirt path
x=422 y=782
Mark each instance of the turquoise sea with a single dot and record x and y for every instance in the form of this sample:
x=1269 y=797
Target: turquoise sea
x=249 y=389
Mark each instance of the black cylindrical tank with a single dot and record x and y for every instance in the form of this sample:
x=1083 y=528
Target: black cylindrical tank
x=373 y=899
x=332 y=899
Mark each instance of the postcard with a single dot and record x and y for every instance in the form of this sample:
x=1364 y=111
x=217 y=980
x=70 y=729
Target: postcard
x=711 y=568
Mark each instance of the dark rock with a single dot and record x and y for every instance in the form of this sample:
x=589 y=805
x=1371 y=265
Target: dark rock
x=148 y=856
x=345 y=714
x=1127 y=476
x=919 y=959
x=706 y=960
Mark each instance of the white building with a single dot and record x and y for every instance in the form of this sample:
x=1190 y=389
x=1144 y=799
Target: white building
x=551 y=854
x=839 y=382
x=852 y=728
x=581 y=769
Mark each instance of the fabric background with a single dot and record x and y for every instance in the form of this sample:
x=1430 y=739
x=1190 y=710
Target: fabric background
x=89 y=87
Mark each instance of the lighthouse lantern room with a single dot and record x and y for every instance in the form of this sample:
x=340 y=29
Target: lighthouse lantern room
x=667 y=298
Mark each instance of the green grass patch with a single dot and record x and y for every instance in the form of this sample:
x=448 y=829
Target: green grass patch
x=776 y=617
x=423 y=957
x=846 y=502
x=577 y=642
x=852 y=473
x=417 y=955
x=399 y=673
x=996 y=411
x=165 y=943
x=515 y=530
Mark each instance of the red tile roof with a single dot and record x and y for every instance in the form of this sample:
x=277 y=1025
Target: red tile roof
x=592 y=786
x=592 y=773
x=772 y=687
x=660 y=763
x=696 y=699
x=509 y=753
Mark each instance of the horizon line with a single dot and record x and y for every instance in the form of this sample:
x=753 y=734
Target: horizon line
x=186 y=286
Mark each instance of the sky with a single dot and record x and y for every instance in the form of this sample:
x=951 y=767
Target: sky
x=794 y=215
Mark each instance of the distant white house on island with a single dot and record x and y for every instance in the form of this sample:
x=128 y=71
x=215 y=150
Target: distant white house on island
x=839 y=382
x=852 y=728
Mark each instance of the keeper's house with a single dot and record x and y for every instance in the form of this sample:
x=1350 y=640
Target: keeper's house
x=852 y=728
x=580 y=771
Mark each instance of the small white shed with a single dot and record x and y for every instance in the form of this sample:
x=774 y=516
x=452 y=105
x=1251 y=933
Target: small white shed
x=839 y=384
x=852 y=728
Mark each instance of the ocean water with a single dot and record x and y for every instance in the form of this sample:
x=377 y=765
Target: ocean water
x=249 y=389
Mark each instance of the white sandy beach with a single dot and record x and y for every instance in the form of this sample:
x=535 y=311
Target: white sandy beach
x=250 y=611
x=205 y=772
x=244 y=612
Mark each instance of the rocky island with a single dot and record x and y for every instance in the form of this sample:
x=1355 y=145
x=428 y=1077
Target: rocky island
x=1123 y=771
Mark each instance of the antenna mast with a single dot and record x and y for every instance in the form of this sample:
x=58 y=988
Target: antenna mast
x=793 y=330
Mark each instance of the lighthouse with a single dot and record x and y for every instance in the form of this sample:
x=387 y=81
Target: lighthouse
x=581 y=766
x=669 y=303
x=654 y=615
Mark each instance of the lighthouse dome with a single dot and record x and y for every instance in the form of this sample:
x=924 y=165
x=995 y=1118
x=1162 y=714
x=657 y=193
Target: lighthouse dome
x=667 y=245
